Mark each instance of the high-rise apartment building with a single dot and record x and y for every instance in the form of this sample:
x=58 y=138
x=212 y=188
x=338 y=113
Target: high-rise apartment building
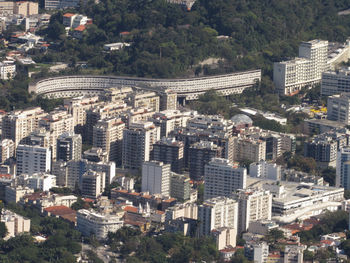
x=306 y=70
x=100 y=112
x=253 y=205
x=169 y=151
x=323 y=149
x=222 y=178
x=108 y=135
x=335 y=82
x=26 y=8
x=338 y=108
x=169 y=120
x=199 y=155
x=156 y=178
x=343 y=168
x=18 y=124
x=145 y=99
x=180 y=187
x=138 y=143
x=252 y=149
x=256 y=252
x=32 y=159
x=216 y=213
x=92 y=184
x=69 y=147
x=57 y=122
x=15 y=224
x=7 y=150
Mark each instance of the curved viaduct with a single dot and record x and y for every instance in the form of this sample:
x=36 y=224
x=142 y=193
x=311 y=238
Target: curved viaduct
x=188 y=89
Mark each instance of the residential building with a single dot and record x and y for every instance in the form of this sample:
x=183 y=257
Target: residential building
x=261 y=227
x=338 y=108
x=253 y=204
x=32 y=159
x=169 y=151
x=108 y=135
x=265 y=170
x=79 y=32
x=57 y=122
x=26 y=8
x=115 y=46
x=13 y=194
x=18 y=124
x=138 y=143
x=7 y=150
x=216 y=213
x=249 y=149
x=224 y=237
x=91 y=222
x=342 y=178
x=156 y=178
x=257 y=252
x=186 y=210
x=318 y=126
x=306 y=70
x=15 y=224
x=7 y=70
x=38 y=137
x=69 y=147
x=200 y=154
x=169 y=120
x=293 y=254
x=180 y=187
x=6 y=8
x=92 y=184
x=144 y=99
x=323 y=148
x=185 y=3
x=222 y=178
x=61 y=4
x=335 y=82
x=41 y=181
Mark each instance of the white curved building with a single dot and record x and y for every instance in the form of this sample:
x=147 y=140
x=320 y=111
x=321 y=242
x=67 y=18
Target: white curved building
x=188 y=89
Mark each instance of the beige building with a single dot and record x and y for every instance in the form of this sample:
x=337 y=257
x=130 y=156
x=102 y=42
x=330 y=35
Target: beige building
x=216 y=213
x=18 y=124
x=253 y=205
x=26 y=8
x=57 y=122
x=78 y=106
x=249 y=149
x=187 y=210
x=145 y=99
x=293 y=254
x=6 y=8
x=108 y=135
x=7 y=150
x=224 y=237
x=14 y=194
x=14 y=223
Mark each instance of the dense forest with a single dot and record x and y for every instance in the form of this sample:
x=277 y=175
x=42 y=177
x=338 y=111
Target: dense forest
x=168 y=41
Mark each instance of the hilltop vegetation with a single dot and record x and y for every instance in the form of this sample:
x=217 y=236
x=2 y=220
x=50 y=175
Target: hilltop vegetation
x=168 y=41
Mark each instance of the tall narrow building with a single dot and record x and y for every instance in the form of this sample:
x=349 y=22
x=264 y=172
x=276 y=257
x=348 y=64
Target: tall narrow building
x=69 y=147
x=33 y=159
x=108 y=135
x=138 y=143
x=156 y=178
x=343 y=168
x=216 y=213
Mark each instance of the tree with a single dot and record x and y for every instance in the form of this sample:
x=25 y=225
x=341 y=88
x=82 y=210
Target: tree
x=3 y=230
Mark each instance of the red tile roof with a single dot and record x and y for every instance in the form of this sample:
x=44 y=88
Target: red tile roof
x=68 y=15
x=131 y=209
x=59 y=210
x=80 y=28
